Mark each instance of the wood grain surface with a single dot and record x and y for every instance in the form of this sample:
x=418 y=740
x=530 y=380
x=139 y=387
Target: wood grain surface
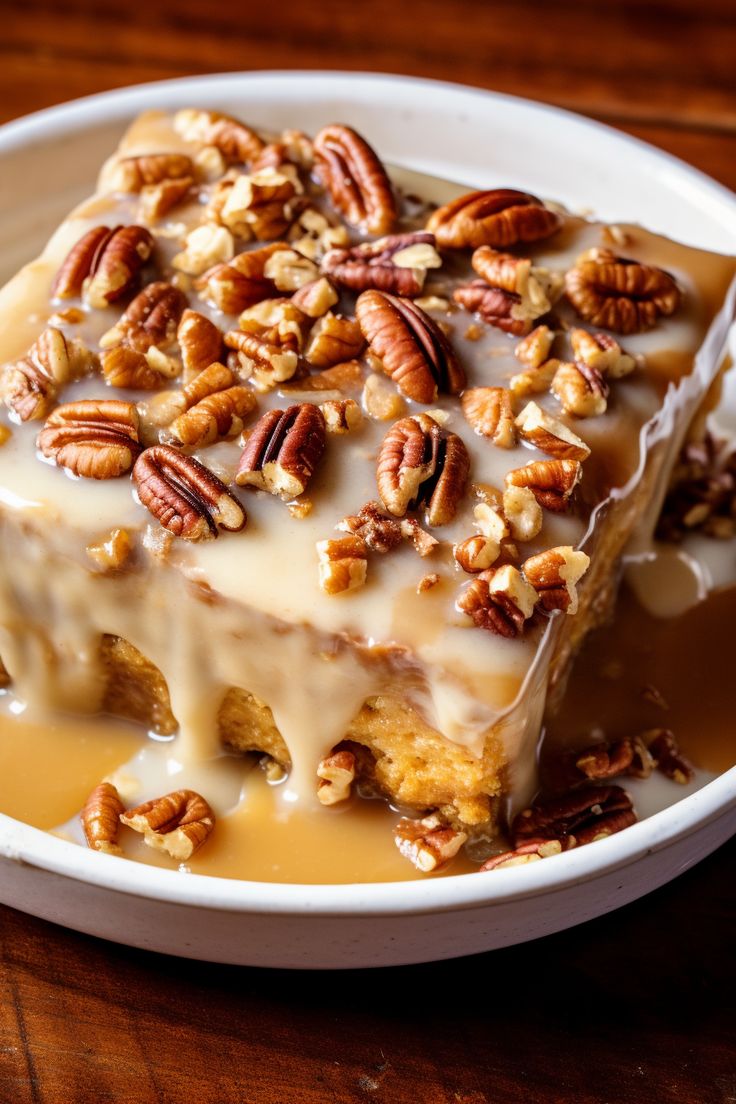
x=636 y=1007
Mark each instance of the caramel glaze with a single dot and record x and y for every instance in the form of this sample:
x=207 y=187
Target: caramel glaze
x=640 y=672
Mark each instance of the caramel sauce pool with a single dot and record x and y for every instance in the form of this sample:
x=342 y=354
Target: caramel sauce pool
x=636 y=673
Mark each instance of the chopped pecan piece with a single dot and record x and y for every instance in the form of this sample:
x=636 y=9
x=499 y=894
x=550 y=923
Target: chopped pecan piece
x=601 y=352
x=355 y=179
x=265 y=361
x=534 y=288
x=499 y=217
x=499 y=600
x=93 y=438
x=669 y=759
x=184 y=496
x=620 y=294
x=411 y=346
x=112 y=551
x=241 y=283
x=343 y=564
x=151 y=319
x=337 y=774
x=334 y=339
x=381 y=399
x=200 y=342
x=237 y=142
x=315 y=298
x=522 y=512
x=379 y=531
x=428 y=843
x=554 y=574
x=132 y=174
x=257 y=206
x=398 y=264
x=158 y=199
x=581 y=390
x=104 y=264
x=549 y=434
x=421 y=464
x=341 y=415
x=178 y=823
x=283 y=450
x=493 y=305
x=523 y=855
x=126 y=368
x=290 y=271
x=490 y=413
x=534 y=380
x=476 y=553
x=582 y=816
x=205 y=247
x=29 y=386
x=101 y=819
x=535 y=348
x=216 y=417
x=550 y=481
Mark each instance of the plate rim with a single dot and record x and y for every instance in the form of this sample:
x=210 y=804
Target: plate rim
x=35 y=847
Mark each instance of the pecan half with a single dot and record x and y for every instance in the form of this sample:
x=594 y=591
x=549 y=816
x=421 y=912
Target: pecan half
x=490 y=413
x=104 y=264
x=411 y=346
x=554 y=574
x=284 y=450
x=493 y=305
x=101 y=819
x=582 y=816
x=549 y=434
x=132 y=174
x=184 y=496
x=550 y=481
x=343 y=564
x=151 y=319
x=355 y=179
x=525 y=854
x=428 y=843
x=627 y=756
x=178 y=823
x=499 y=600
x=499 y=217
x=421 y=464
x=200 y=342
x=581 y=390
x=337 y=774
x=620 y=294
x=236 y=142
x=93 y=438
x=398 y=264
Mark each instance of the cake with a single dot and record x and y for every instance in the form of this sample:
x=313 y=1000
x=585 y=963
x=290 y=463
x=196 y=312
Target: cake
x=331 y=465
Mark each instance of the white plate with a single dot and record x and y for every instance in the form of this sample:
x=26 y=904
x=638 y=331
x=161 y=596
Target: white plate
x=47 y=162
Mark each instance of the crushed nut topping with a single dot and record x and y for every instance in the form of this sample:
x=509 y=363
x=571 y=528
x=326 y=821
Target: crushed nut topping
x=178 y=823
x=500 y=217
x=316 y=298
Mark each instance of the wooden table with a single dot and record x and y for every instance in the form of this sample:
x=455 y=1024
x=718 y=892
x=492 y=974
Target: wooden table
x=635 y=1007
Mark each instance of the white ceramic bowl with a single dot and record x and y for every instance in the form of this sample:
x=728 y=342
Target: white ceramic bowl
x=47 y=162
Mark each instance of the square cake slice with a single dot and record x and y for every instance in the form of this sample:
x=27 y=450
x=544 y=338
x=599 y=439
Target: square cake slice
x=306 y=458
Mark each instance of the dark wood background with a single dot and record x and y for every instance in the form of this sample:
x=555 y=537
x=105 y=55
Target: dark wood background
x=634 y=1008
